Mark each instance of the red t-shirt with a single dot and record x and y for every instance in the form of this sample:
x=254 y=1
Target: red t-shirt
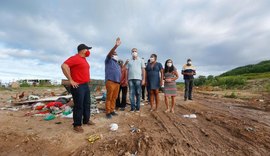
x=79 y=69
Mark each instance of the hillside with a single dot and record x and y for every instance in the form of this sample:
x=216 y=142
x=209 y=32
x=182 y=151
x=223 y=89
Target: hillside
x=262 y=67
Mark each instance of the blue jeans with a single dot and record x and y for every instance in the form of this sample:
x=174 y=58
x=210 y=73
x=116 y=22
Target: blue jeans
x=81 y=109
x=135 y=89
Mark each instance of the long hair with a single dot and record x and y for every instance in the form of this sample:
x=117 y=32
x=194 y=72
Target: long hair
x=168 y=69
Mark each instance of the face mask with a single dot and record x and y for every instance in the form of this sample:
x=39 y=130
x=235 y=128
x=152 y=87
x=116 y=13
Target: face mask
x=152 y=59
x=169 y=64
x=115 y=57
x=87 y=53
x=189 y=62
x=134 y=54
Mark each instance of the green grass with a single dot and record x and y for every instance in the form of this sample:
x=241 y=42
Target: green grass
x=250 y=76
x=267 y=87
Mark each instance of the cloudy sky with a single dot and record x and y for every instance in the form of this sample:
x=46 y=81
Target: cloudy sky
x=218 y=35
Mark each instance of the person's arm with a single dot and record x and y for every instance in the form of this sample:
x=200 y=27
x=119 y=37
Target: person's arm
x=143 y=76
x=176 y=75
x=161 y=75
x=66 y=72
x=127 y=71
x=145 y=81
x=117 y=43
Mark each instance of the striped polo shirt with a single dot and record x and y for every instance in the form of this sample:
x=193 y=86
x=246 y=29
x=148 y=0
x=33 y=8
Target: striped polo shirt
x=188 y=69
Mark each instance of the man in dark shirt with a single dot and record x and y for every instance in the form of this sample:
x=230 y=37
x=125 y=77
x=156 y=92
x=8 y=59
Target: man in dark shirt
x=112 y=79
x=188 y=71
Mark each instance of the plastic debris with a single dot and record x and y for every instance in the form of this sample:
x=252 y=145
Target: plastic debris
x=93 y=138
x=69 y=116
x=67 y=110
x=10 y=108
x=135 y=130
x=33 y=97
x=49 y=117
x=249 y=129
x=38 y=106
x=113 y=127
x=191 y=116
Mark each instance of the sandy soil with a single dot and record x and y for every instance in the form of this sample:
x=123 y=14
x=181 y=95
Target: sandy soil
x=223 y=127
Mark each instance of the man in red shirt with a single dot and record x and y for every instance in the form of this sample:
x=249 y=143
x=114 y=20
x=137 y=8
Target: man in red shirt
x=76 y=69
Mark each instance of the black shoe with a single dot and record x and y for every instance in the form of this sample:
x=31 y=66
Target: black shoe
x=108 y=116
x=114 y=114
x=122 y=109
x=190 y=98
x=185 y=99
x=132 y=110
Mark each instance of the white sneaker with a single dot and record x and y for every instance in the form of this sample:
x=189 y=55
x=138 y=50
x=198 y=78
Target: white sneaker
x=142 y=104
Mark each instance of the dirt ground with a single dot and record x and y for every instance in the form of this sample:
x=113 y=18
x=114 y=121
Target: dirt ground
x=223 y=126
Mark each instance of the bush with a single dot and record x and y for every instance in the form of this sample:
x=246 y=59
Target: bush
x=200 y=81
x=24 y=85
x=229 y=82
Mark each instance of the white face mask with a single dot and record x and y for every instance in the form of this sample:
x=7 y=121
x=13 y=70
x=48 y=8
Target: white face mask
x=169 y=64
x=134 y=54
x=189 y=62
x=152 y=59
x=115 y=57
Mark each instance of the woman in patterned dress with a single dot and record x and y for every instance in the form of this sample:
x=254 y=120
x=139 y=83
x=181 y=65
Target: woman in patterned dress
x=170 y=75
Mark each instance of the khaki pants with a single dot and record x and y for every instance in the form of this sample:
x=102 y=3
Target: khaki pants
x=112 y=94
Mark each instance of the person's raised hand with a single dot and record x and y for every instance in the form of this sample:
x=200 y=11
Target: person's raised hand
x=118 y=41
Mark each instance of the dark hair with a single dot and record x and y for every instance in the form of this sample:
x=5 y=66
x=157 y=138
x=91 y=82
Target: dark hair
x=168 y=69
x=155 y=55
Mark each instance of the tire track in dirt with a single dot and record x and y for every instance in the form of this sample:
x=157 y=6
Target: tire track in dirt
x=180 y=135
x=231 y=123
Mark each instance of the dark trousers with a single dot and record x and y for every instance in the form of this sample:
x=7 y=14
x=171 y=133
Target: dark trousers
x=188 y=88
x=81 y=109
x=143 y=92
x=123 y=102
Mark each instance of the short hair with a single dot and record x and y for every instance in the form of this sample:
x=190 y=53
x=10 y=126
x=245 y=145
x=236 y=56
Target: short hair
x=155 y=55
x=134 y=49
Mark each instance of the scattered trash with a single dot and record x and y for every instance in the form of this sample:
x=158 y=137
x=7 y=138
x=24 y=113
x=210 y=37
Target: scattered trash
x=10 y=108
x=93 y=138
x=33 y=97
x=63 y=100
x=133 y=129
x=54 y=104
x=191 y=116
x=104 y=96
x=249 y=129
x=67 y=110
x=26 y=107
x=113 y=127
x=69 y=116
x=38 y=106
x=49 y=117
